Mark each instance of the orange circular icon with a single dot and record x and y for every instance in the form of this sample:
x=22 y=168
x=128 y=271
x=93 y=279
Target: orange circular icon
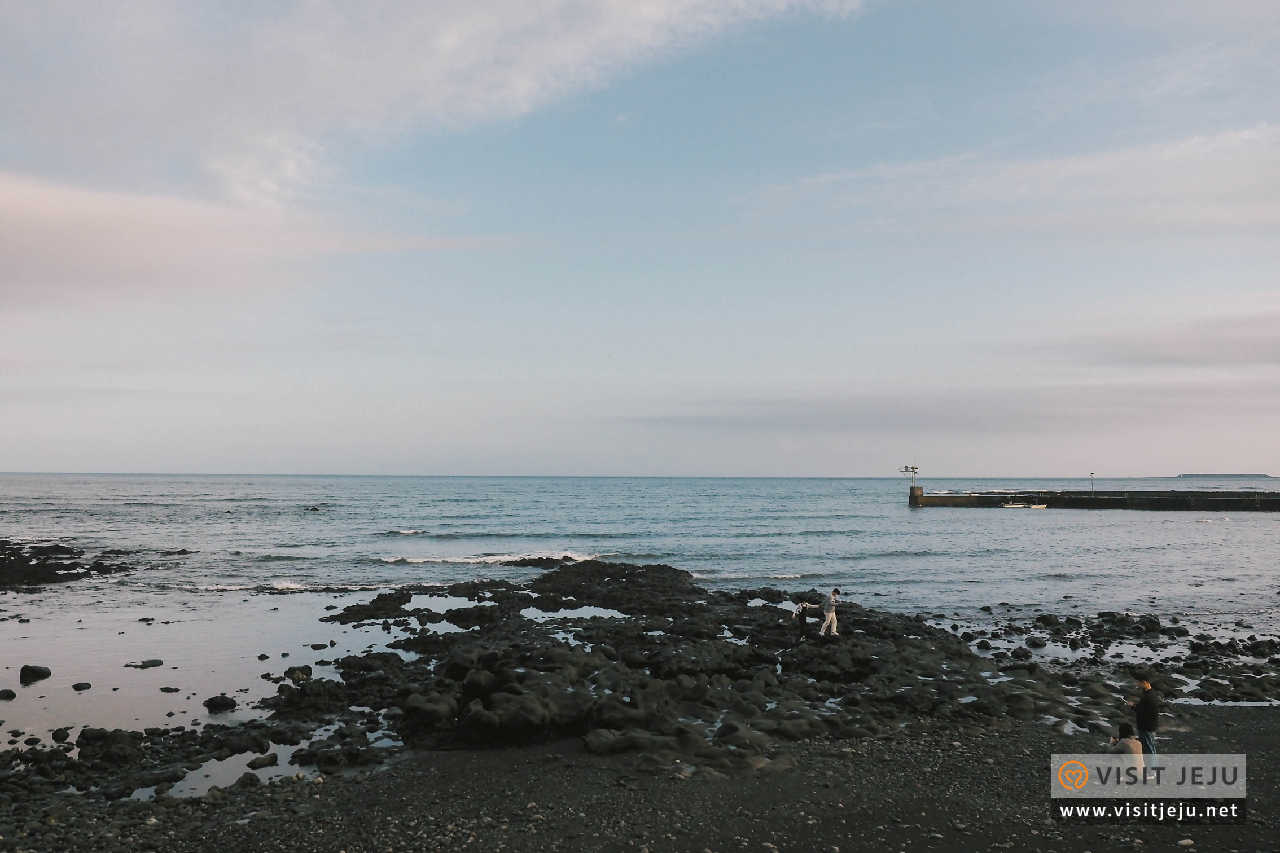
x=1073 y=775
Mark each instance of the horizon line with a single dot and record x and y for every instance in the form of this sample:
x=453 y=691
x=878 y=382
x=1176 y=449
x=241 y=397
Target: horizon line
x=629 y=476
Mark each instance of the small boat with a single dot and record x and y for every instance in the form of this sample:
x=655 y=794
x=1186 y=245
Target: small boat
x=1014 y=506
x=1039 y=506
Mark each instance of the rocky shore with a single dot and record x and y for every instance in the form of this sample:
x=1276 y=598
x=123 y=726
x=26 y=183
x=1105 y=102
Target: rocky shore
x=24 y=565
x=615 y=680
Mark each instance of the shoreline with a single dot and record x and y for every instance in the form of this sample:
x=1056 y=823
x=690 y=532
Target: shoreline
x=640 y=668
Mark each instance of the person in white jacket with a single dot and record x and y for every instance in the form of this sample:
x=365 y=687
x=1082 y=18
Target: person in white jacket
x=829 y=609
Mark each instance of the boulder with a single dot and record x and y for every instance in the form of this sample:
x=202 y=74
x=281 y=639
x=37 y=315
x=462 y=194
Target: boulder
x=219 y=704
x=434 y=709
x=81 y=686
x=298 y=672
x=31 y=674
x=1020 y=705
x=7 y=695
x=480 y=683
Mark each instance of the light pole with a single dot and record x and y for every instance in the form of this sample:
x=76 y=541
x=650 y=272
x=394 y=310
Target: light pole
x=1091 y=482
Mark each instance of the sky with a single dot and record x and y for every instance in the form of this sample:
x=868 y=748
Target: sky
x=645 y=237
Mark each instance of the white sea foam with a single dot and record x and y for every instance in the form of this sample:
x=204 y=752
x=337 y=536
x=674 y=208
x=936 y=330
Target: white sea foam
x=490 y=559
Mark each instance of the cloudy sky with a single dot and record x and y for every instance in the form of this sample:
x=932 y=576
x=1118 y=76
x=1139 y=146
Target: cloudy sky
x=652 y=237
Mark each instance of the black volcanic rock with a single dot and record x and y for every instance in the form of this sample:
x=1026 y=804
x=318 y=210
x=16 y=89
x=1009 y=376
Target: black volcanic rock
x=538 y=562
x=31 y=674
x=219 y=704
x=36 y=565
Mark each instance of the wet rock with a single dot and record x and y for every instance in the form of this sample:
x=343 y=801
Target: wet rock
x=268 y=760
x=31 y=674
x=163 y=776
x=433 y=709
x=60 y=735
x=1020 y=705
x=37 y=565
x=298 y=672
x=385 y=605
x=248 y=780
x=7 y=695
x=116 y=747
x=81 y=686
x=219 y=704
x=473 y=617
x=146 y=664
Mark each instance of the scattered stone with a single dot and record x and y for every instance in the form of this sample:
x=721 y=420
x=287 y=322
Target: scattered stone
x=81 y=686
x=146 y=664
x=268 y=760
x=31 y=674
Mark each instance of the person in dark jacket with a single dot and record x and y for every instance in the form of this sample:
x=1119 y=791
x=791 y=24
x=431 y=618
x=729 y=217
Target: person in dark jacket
x=801 y=617
x=1147 y=711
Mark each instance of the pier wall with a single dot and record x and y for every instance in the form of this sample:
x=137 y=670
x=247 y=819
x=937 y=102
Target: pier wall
x=1165 y=501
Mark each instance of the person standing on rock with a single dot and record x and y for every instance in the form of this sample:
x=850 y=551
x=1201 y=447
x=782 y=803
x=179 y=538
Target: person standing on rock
x=829 y=609
x=1147 y=711
x=801 y=617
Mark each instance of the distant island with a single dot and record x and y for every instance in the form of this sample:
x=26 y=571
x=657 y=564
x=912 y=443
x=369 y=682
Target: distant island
x=1224 y=476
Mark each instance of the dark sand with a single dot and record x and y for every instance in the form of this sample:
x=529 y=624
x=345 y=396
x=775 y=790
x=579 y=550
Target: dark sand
x=922 y=793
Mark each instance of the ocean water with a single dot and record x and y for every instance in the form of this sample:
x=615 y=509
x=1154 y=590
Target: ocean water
x=215 y=555
x=303 y=533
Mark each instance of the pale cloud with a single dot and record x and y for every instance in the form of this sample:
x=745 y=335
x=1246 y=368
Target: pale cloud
x=1235 y=341
x=253 y=90
x=1206 y=184
x=1060 y=410
x=1222 y=17
x=57 y=239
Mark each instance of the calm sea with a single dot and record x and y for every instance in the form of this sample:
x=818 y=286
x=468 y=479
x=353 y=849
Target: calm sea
x=301 y=533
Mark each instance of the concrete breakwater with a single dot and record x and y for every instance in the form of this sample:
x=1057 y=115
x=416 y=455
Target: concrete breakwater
x=1162 y=501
